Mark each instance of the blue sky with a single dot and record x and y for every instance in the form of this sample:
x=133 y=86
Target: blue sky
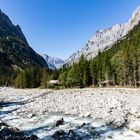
x=61 y=27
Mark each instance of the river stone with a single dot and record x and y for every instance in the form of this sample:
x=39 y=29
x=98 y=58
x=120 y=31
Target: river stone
x=34 y=137
x=87 y=114
x=31 y=115
x=59 y=134
x=6 y=131
x=59 y=122
x=134 y=126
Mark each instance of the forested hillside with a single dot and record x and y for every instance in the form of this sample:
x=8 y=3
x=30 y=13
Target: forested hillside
x=15 y=52
x=119 y=65
x=22 y=67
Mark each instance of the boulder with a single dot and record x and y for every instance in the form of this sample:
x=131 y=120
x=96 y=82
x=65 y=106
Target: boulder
x=59 y=134
x=10 y=133
x=33 y=137
x=31 y=115
x=135 y=127
x=59 y=122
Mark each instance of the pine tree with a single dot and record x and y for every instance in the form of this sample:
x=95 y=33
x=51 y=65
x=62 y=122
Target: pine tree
x=107 y=68
x=85 y=79
x=20 y=81
x=73 y=77
x=32 y=77
x=100 y=67
x=54 y=74
x=94 y=72
x=44 y=78
x=62 y=78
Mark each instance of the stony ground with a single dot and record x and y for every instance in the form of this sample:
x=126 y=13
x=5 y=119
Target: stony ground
x=119 y=107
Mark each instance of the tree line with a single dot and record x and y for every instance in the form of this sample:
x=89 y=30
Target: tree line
x=117 y=70
x=32 y=77
x=118 y=65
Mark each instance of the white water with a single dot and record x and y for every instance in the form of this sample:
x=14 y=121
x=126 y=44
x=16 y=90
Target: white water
x=43 y=125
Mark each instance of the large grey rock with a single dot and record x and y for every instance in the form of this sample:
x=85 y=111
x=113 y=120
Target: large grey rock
x=10 y=133
x=59 y=122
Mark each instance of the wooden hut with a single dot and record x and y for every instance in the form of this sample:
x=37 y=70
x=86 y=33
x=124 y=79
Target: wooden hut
x=54 y=82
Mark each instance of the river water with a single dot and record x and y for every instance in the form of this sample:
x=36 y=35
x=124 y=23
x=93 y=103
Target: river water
x=73 y=127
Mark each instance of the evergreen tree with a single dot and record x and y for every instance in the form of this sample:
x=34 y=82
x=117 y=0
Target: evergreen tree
x=87 y=79
x=100 y=67
x=62 y=78
x=20 y=81
x=94 y=72
x=73 y=78
x=44 y=78
x=32 y=77
x=54 y=74
x=107 y=67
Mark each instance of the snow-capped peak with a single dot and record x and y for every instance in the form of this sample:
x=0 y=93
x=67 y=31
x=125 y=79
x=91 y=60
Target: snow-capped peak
x=53 y=62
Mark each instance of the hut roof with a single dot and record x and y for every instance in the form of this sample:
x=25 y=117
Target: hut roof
x=54 y=81
x=106 y=82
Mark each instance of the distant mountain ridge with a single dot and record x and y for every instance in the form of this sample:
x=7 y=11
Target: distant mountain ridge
x=53 y=62
x=104 y=39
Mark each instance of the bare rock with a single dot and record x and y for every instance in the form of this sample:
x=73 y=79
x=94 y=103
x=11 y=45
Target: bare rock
x=59 y=122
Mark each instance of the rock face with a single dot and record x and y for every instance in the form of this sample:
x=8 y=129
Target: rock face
x=53 y=62
x=8 y=29
x=104 y=39
x=14 y=48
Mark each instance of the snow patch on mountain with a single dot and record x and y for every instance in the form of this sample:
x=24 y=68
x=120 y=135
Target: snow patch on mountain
x=53 y=62
x=104 y=39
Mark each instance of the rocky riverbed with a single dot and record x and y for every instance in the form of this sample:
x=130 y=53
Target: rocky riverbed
x=84 y=114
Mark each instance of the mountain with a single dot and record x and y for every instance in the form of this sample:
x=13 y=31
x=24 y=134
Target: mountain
x=14 y=48
x=118 y=65
x=15 y=52
x=104 y=39
x=53 y=62
x=8 y=29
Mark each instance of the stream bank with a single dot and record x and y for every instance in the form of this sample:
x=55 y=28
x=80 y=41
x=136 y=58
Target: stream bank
x=87 y=114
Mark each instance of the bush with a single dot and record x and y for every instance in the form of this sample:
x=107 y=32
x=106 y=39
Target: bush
x=51 y=86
